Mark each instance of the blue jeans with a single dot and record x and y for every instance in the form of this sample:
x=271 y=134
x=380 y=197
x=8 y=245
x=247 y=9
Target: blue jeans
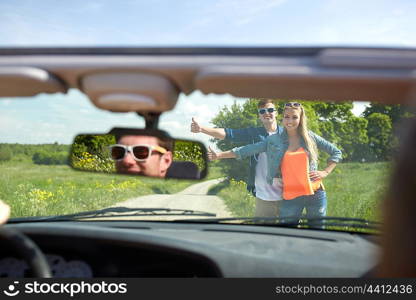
x=315 y=206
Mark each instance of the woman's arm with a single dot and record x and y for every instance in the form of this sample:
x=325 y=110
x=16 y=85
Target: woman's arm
x=335 y=157
x=212 y=155
x=239 y=152
x=331 y=149
x=249 y=150
x=316 y=175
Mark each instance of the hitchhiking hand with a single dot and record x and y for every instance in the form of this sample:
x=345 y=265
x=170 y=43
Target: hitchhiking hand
x=212 y=155
x=195 y=126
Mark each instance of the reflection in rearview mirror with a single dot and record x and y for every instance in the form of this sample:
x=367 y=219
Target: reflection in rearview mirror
x=139 y=152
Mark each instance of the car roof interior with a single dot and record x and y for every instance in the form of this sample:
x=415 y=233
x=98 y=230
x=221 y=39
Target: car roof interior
x=150 y=80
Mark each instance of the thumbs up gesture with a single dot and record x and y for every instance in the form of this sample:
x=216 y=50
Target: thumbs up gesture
x=212 y=155
x=195 y=126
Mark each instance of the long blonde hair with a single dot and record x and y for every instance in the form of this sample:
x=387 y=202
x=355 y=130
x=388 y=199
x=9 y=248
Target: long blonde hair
x=304 y=132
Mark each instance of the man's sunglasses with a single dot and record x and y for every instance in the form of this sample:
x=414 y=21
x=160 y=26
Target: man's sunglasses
x=139 y=152
x=293 y=104
x=269 y=110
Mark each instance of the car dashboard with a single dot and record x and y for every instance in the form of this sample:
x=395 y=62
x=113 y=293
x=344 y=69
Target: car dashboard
x=167 y=249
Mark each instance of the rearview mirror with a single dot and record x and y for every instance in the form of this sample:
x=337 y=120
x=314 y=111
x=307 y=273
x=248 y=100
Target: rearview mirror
x=143 y=152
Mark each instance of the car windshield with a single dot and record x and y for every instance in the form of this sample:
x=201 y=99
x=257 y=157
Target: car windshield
x=360 y=137
x=269 y=158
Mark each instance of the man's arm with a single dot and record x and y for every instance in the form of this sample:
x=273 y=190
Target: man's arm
x=218 y=133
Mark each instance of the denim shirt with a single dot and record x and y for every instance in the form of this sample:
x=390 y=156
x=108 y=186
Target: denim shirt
x=251 y=135
x=275 y=147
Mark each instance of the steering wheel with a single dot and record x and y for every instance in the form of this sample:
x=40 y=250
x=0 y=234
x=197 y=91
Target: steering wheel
x=27 y=250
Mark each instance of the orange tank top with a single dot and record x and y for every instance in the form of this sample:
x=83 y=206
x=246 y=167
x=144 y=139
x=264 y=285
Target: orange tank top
x=295 y=175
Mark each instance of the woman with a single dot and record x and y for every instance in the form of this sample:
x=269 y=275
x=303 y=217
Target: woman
x=292 y=159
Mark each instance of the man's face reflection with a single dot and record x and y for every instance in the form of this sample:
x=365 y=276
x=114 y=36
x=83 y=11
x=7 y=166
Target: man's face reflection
x=153 y=162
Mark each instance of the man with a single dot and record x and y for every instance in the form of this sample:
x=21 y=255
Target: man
x=4 y=212
x=142 y=155
x=267 y=196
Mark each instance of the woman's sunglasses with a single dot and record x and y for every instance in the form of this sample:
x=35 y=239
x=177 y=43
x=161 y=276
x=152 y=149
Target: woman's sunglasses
x=293 y=104
x=139 y=152
x=269 y=110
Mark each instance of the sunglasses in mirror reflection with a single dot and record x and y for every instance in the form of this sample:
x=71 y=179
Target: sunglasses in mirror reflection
x=138 y=152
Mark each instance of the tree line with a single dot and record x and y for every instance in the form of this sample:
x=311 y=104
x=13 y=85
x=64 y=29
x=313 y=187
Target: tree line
x=43 y=154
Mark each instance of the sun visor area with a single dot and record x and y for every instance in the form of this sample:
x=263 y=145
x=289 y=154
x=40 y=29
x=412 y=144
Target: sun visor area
x=309 y=83
x=28 y=81
x=129 y=92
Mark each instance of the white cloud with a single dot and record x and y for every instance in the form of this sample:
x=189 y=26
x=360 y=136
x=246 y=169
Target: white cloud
x=50 y=118
x=172 y=125
x=90 y=7
x=203 y=107
x=217 y=22
x=359 y=107
x=15 y=129
x=5 y=102
x=7 y=122
x=201 y=112
x=22 y=25
x=369 y=23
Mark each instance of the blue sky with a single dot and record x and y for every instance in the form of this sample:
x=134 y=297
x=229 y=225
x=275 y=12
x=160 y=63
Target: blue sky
x=201 y=22
x=178 y=23
x=49 y=118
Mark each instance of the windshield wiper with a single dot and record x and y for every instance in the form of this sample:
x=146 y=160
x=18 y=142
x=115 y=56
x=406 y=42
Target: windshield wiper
x=117 y=212
x=327 y=223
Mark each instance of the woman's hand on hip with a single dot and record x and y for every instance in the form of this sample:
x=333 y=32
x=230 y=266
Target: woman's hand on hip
x=317 y=175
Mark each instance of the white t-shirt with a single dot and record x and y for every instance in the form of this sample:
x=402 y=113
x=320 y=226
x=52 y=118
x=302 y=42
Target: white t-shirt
x=265 y=191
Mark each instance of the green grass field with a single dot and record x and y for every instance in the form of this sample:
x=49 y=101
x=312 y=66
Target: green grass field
x=39 y=190
x=354 y=190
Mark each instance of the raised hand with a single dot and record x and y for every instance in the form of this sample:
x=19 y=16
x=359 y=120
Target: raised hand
x=212 y=155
